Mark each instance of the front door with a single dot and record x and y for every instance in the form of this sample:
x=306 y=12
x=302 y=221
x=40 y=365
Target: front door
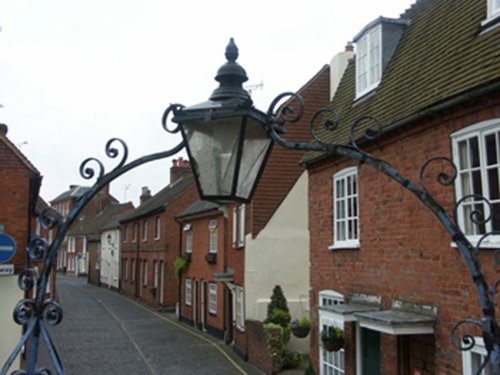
x=203 y=304
x=195 y=303
x=370 y=351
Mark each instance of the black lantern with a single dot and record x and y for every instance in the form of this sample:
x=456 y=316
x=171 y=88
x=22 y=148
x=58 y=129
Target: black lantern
x=226 y=137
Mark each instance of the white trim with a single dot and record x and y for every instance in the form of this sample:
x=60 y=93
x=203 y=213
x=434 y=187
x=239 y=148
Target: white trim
x=188 y=291
x=157 y=227
x=477 y=131
x=400 y=329
x=342 y=177
x=372 y=37
x=212 y=298
x=477 y=350
x=212 y=236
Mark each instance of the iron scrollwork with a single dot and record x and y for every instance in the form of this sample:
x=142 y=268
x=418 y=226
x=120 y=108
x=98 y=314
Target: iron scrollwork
x=36 y=312
x=489 y=326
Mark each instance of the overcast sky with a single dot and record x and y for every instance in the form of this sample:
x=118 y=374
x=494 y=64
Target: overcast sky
x=74 y=74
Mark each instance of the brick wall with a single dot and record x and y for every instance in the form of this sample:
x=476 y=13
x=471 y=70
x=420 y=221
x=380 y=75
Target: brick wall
x=260 y=347
x=165 y=249
x=14 y=202
x=404 y=252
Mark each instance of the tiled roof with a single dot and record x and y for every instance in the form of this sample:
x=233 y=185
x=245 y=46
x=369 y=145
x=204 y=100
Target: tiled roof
x=199 y=207
x=75 y=191
x=17 y=152
x=91 y=225
x=442 y=54
x=160 y=200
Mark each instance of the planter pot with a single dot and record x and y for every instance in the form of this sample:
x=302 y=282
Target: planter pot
x=333 y=345
x=300 y=332
x=211 y=258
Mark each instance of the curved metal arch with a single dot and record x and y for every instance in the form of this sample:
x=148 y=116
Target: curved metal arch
x=36 y=313
x=489 y=324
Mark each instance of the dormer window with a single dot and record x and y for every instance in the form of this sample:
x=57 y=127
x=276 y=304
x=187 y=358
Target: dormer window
x=493 y=13
x=368 y=61
x=375 y=45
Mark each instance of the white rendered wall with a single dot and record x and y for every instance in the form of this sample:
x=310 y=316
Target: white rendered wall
x=110 y=258
x=10 y=331
x=279 y=255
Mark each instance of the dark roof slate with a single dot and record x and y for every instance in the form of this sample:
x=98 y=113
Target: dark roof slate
x=442 y=54
x=160 y=200
x=91 y=225
x=199 y=207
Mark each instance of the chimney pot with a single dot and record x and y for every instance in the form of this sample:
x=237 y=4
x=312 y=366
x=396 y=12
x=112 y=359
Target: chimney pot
x=4 y=129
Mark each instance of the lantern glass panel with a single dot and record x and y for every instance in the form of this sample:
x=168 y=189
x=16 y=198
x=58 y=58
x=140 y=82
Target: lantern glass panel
x=255 y=148
x=213 y=149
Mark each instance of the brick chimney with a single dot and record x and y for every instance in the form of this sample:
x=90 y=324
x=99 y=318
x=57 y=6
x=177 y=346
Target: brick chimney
x=4 y=129
x=145 y=195
x=180 y=168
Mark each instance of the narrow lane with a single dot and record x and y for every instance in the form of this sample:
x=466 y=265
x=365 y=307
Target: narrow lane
x=105 y=333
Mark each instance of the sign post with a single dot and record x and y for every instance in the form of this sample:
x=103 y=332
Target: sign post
x=7 y=251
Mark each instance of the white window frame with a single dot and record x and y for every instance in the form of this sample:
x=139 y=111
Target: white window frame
x=330 y=362
x=239 y=308
x=134 y=236
x=188 y=228
x=239 y=226
x=212 y=240
x=493 y=11
x=133 y=269
x=369 y=60
x=157 y=227
x=188 y=290
x=145 y=230
x=480 y=131
x=346 y=241
x=212 y=298
x=470 y=359
x=71 y=244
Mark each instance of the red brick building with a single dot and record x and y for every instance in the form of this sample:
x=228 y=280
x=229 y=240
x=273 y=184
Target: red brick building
x=204 y=302
x=20 y=206
x=86 y=233
x=150 y=240
x=382 y=267
x=230 y=279
x=73 y=255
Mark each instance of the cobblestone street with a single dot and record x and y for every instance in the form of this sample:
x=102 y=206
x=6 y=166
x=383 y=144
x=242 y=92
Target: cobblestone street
x=104 y=333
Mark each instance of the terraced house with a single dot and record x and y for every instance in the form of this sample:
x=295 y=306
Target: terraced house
x=382 y=268
x=150 y=240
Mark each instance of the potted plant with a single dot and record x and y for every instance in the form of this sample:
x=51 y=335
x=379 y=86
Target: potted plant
x=180 y=265
x=301 y=327
x=332 y=338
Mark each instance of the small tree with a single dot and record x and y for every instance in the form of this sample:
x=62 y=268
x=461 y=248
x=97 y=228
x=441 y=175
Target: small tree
x=278 y=301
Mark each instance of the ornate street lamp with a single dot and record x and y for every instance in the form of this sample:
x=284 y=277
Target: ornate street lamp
x=226 y=137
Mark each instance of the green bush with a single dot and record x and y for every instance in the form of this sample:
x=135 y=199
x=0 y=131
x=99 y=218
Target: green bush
x=278 y=301
x=291 y=359
x=180 y=264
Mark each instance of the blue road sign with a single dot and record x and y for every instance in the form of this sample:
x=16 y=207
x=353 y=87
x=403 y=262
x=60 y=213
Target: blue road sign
x=7 y=247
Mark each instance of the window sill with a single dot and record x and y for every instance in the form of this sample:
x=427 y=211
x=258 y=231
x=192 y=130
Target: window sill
x=344 y=246
x=485 y=245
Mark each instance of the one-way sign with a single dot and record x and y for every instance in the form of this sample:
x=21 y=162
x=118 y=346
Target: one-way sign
x=7 y=247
